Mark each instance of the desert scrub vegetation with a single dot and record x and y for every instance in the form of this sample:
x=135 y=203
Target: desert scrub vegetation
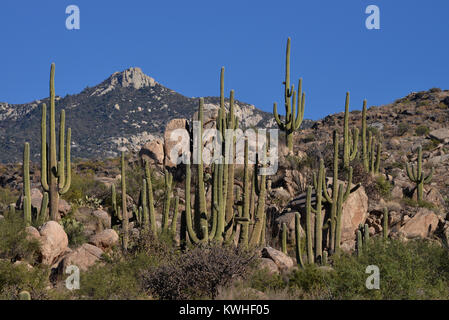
x=417 y=269
x=84 y=185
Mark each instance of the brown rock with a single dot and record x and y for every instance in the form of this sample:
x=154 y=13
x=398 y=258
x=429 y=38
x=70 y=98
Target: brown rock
x=105 y=239
x=32 y=233
x=153 y=151
x=355 y=212
x=422 y=225
x=64 y=207
x=36 y=199
x=283 y=261
x=83 y=257
x=269 y=265
x=172 y=125
x=54 y=242
x=104 y=217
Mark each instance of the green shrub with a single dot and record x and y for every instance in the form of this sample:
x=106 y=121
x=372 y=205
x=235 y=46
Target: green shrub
x=419 y=204
x=16 y=278
x=74 y=230
x=402 y=129
x=84 y=185
x=7 y=197
x=422 y=130
x=383 y=186
x=14 y=244
x=408 y=270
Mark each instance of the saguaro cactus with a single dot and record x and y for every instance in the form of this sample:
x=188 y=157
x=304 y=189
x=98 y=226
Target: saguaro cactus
x=336 y=200
x=125 y=220
x=41 y=215
x=58 y=171
x=351 y=141
x=385 y=224
x=294 y=107
x=299 y=260
x=416 y=175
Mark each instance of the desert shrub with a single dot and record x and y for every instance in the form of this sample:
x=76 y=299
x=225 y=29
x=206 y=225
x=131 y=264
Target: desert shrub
x=402 y=129
x=74 y=230
x=309 y=138
x=408 y=270
x=14 y=244
x=117 y=279
x=7 y=197
x=419 y=204
x=434 y=90
x=432 y=144
x=263 y=281
x=198 y=273
x=85 y=185
x=383 y=186
x=422 y=130
x=15 y=278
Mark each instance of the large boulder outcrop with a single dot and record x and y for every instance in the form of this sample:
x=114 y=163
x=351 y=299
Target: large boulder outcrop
x=83 y=257
x=355 y=212
x=422 y=225
x=105 y=239
x=282 y=261
x=153 y=151
x=170 y=139
x=54 y=242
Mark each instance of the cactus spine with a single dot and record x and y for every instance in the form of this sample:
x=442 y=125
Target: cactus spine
x=351 y=141
x=416 y=175
x=59 y=181
x=294 y=107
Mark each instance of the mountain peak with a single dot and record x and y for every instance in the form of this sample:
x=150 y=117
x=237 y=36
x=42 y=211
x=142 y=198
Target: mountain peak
x=132 y=77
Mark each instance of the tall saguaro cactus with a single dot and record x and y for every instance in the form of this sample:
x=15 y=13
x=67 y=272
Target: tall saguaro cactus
x=41 y=215
x=56 y=174
x=337 y=198
x=351 y=139
x=416 y=175
x=125 y=220
x=294 y=106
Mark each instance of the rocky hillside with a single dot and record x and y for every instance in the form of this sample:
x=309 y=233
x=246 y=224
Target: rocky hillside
x=123 y=112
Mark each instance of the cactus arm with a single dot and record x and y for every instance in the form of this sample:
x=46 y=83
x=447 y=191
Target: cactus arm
x=68 y=179
x=299 y=260
x=26 y=185
x=364 y=142
x=284 y=238
x=174 y=221
x=385 y=224
x=146 y=217
x=44 y=165
x=310 y=257
x=429 y=177
x=377 y=165
x=277 y=118
x=410 y=173
x=346 y=132
x=354 y=145
x=359 y=243
x=349 y=185
x=61 y=162
x=151 y=210
x=188 y=211
x=42 y=217
x=124 y=206
x=340 y=200
x=246 y=199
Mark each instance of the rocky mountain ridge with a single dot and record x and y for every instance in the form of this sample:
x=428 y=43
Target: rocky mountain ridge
x=122 y=113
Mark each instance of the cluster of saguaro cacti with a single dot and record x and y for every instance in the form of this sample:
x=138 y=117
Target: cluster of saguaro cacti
x=253 y=217
x=362 y=238
x=416 y=175
x=41 y=216
x=294 y=105
x=370 y=156
x=56 y=173
x=121 y=214
x=336 y=200
x=350 y=138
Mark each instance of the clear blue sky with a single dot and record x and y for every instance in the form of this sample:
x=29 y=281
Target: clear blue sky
x=183 y=44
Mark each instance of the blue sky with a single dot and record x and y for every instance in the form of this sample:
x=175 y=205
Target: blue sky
x=183 y=44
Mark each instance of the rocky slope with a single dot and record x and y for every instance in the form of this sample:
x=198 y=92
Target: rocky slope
x=123 y=112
